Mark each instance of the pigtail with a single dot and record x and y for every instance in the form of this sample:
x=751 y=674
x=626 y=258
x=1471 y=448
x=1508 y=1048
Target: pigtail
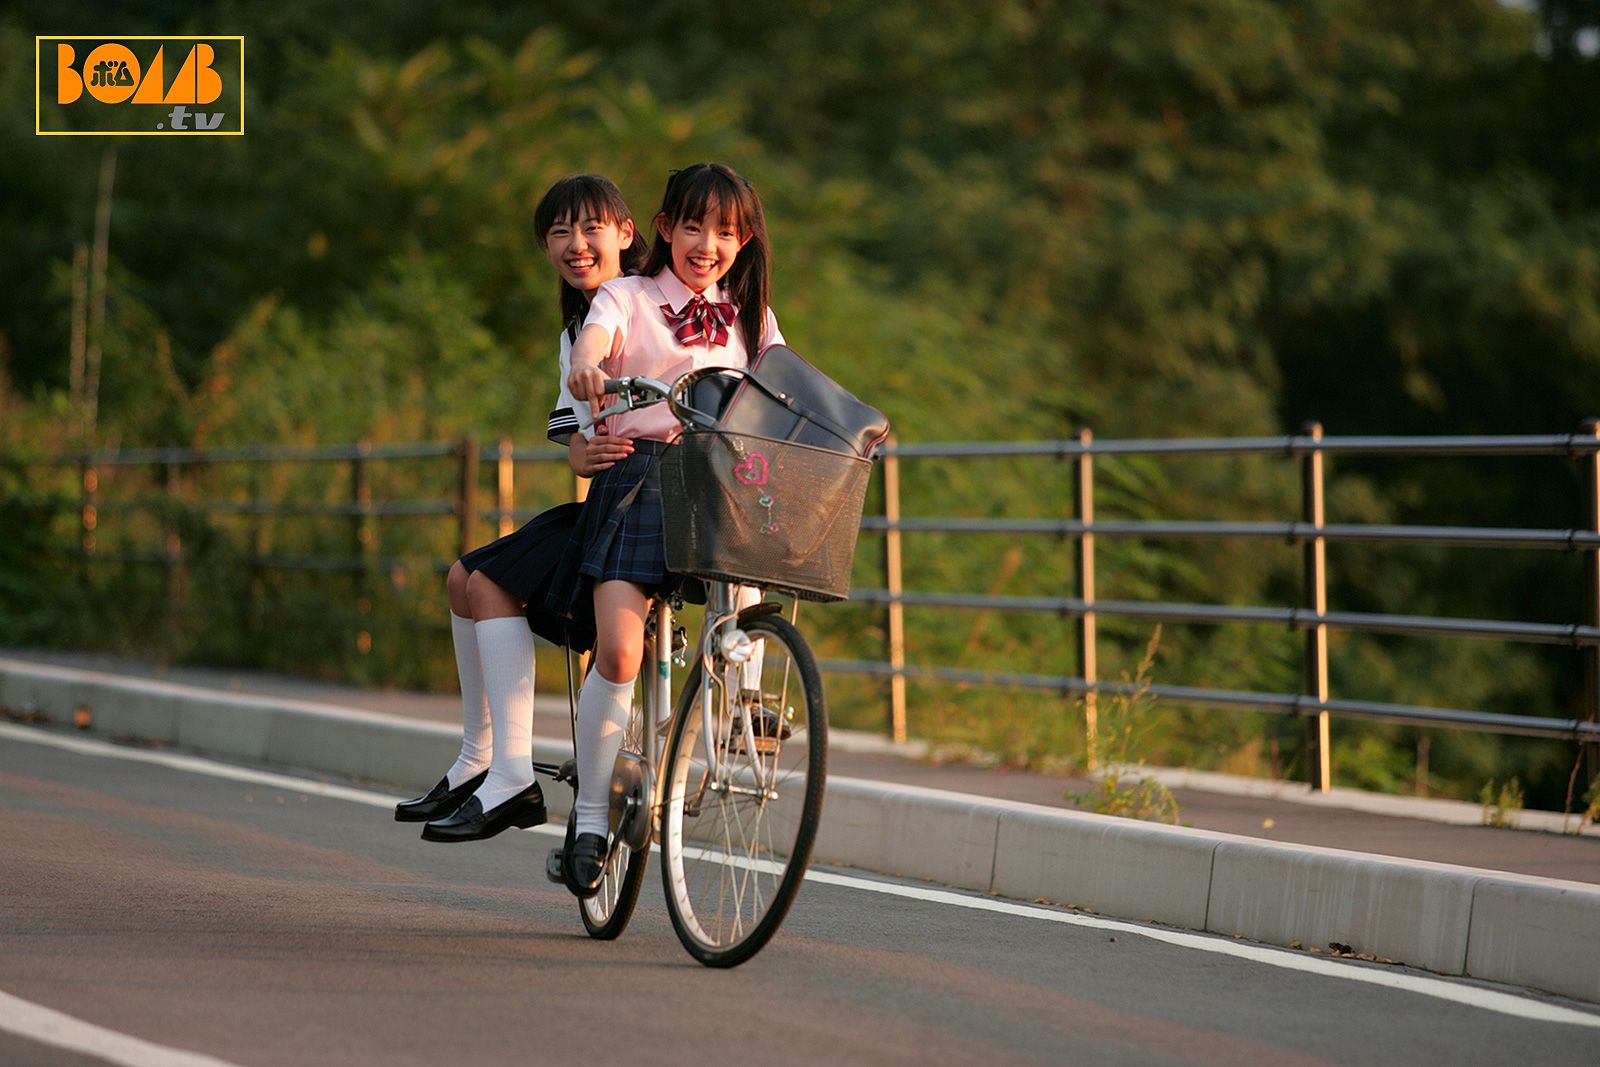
x=751 y=275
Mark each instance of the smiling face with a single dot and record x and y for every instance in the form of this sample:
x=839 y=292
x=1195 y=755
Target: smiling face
x=586 y=250
x=703 y=249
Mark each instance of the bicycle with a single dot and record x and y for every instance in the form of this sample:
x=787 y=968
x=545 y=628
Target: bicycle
x=730 y=780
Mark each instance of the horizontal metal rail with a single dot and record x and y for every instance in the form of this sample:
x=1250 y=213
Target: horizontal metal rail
x=150 y=457
x=1574 y=636
x=381 y=509
x=1292 y=445
x=1289 y=532
x=285 y=561
x=1279 y=703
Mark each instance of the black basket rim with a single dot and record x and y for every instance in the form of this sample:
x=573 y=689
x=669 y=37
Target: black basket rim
x=703 y=434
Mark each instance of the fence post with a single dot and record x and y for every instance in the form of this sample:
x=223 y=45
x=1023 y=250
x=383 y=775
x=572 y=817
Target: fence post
x=468 y=503
x=89 y=511
x=505 y=490
x=1318 y=758
x=1590 y=466
x=361 y=497
x=254 y=582
x=366 y=541
x=895 y=630
x=1088 y=668
x=89 y=520
x=173 y=546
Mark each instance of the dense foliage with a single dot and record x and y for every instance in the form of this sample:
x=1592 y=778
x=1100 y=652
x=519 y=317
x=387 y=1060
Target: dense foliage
x=1003 y=220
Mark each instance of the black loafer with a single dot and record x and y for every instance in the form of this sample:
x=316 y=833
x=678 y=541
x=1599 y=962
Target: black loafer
x=471 y=823
x=439 y=801
x=588 y=860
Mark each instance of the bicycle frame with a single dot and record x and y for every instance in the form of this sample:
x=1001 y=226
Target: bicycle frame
x=730 y=883
x=718 y=645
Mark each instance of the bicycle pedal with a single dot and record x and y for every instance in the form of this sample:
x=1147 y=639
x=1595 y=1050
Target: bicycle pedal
x=555 y=865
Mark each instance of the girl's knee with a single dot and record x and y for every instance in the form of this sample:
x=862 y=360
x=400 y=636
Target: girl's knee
x=455 y=587
x=618 y=663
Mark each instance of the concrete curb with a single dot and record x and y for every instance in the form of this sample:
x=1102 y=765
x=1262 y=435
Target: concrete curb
x=1541 y=933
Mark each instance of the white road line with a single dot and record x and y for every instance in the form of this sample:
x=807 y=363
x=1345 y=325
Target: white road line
x=87 y=746
x=1439 y=988
x=1457 y=992
x=50 y=1027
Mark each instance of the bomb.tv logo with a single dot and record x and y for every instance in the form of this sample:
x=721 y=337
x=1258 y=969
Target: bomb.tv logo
x=139 y=85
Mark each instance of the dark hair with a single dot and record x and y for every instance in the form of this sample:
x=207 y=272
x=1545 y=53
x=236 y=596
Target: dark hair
x=691 y=192
x=569 y=200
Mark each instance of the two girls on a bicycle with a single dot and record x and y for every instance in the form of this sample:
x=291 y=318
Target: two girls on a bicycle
x=701 y=299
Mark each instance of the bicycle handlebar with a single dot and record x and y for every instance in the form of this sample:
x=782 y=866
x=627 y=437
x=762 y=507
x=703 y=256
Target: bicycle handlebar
x=631 y=393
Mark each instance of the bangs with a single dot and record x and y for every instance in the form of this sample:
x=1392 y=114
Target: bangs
x=572 y=199
x=706 y=191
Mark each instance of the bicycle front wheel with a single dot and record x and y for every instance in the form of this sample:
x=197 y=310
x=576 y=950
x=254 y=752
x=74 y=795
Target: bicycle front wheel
x=735 y=845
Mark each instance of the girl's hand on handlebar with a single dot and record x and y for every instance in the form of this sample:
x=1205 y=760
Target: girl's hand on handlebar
x=588 y=383
x=589 y=456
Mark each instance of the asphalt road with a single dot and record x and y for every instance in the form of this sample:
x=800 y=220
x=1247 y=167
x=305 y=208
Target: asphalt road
x=165 y=903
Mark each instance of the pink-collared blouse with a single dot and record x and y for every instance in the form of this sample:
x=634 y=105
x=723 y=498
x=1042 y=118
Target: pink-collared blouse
x=643 y=345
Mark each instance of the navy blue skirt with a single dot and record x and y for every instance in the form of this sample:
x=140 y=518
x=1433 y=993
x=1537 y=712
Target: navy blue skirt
x=523 y=564
x=618 y=537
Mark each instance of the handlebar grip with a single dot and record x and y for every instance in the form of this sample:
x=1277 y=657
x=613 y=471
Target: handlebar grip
x=635 y=392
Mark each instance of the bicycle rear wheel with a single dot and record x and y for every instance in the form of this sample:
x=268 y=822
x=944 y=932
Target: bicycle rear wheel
x=734 y=851
x=606 y=914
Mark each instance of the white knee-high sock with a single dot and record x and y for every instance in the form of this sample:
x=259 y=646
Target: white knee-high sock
x=505 y=651
x=602 y=717
x=476 y=744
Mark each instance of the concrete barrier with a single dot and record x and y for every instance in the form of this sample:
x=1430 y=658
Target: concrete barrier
x=1536 y=932
x=1415 y=912
x=1526 y=931
x=909 y=831
x=1112 y=866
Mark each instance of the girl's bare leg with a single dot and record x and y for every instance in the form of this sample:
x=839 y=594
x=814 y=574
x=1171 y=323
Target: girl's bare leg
x=486 y=600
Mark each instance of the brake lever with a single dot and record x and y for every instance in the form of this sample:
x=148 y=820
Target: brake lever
x=625 y=402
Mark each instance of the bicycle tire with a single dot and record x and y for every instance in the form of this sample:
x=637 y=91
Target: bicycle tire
x=731 y=863
x=606 y=914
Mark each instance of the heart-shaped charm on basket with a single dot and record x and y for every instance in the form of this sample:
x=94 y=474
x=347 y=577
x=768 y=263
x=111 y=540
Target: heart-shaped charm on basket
x=753 y=471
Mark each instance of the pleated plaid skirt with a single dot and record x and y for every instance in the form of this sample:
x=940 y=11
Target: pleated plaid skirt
x=618 y=536
x=524 y=562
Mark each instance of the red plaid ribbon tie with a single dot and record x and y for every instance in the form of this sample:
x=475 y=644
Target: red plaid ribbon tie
x=700 y=320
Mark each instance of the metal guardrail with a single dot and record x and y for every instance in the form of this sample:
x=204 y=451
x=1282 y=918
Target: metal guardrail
x=1308 y=531
x=1580 y=730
